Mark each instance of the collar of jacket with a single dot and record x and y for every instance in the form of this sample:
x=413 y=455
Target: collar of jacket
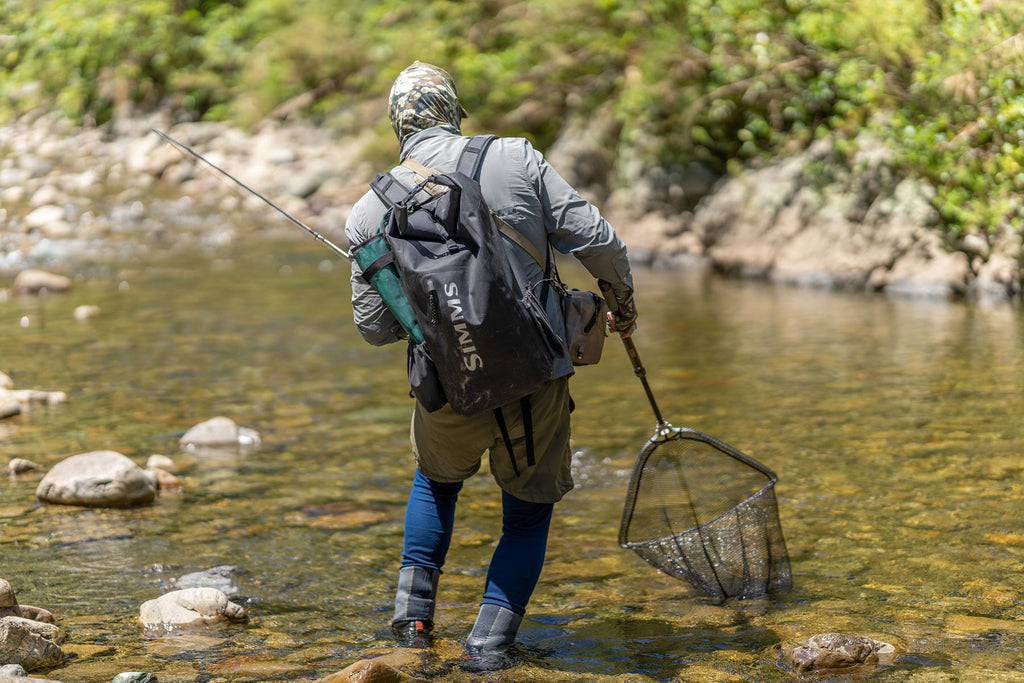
x=426 y=134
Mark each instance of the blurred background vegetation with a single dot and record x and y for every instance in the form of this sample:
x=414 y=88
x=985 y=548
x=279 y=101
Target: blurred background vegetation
x=726 y=83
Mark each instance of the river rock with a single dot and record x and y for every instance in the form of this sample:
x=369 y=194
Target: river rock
x=367 y=671
x=50 y=398
x=132 y=677
x=5 y=381
x=838 y=651
x=9 y=405
x=31 y=644
x=44 y=215
x=190 y=607
x=15 y=673
x=218 y=432
x=8 y=599
x=97 y=479
x=86 y=312
x=33 y=281
x=9 y=606
x=160 y=462
x=21 y=466
x=165 y=481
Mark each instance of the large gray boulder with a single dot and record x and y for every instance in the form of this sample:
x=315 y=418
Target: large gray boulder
x=98 y=479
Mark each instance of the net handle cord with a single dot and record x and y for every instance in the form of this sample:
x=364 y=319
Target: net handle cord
x=634 y=358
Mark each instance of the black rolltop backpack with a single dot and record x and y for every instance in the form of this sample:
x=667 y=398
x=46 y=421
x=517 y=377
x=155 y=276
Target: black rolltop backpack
x=487 y=340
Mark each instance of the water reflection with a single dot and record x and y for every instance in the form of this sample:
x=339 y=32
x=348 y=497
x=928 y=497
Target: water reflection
x=893 y=425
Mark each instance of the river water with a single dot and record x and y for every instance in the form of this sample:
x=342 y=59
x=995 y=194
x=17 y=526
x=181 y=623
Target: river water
x=894 y=426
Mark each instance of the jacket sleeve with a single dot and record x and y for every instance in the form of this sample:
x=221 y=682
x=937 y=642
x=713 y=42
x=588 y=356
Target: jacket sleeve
x=374 y=320
x=576 y=227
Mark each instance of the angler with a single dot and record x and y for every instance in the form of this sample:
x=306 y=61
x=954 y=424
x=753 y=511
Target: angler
x=527 y=437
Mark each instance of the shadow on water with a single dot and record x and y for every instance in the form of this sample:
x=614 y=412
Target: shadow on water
x=893 y=425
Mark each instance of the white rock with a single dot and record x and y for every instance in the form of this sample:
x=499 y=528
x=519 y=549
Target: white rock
x=190 y=607
x=97 y=479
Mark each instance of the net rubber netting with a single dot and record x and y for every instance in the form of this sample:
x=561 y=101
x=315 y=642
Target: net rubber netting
x=703 y=512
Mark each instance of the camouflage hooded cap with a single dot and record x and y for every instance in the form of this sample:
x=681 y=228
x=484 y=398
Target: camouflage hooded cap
x=424 y=96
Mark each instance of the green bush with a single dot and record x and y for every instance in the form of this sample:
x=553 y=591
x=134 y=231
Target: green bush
x=726 y=83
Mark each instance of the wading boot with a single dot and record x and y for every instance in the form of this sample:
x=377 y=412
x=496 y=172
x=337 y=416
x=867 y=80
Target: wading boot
x=414 y=606
x=488 y=645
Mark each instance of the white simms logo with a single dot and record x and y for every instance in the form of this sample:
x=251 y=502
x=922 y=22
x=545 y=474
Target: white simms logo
x=470 y=358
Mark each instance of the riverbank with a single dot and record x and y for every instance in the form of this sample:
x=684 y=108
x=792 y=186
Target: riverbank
x=818 y=219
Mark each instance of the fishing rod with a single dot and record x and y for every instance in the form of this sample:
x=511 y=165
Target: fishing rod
x=334 y=247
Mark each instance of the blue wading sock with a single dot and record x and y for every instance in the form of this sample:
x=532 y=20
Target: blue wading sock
x=519 y=558
x=429 y=522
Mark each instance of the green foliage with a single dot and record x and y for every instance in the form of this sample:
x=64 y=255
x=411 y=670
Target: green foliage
x=726 y=83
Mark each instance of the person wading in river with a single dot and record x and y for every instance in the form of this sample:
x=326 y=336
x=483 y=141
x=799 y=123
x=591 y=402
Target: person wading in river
x=519 y=186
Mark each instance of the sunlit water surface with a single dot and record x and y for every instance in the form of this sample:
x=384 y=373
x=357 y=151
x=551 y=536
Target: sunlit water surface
x=894 y=426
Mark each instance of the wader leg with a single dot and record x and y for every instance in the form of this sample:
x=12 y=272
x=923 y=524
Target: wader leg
x=414 y=606
x=493 y=633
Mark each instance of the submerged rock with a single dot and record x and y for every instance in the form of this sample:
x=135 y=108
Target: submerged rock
x=98 y=479
x=190 y=607
x=220 y=577
x=839 y=651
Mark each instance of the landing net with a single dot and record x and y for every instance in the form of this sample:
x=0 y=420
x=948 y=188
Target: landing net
x=701 y=511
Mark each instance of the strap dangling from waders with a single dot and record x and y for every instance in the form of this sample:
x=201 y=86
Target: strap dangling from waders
x=524 y=404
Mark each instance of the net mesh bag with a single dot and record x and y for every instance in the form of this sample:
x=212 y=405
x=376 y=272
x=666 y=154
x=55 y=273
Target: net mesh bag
x=703 y=512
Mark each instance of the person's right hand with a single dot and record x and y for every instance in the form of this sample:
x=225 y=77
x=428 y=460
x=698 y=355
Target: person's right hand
x=623 y=320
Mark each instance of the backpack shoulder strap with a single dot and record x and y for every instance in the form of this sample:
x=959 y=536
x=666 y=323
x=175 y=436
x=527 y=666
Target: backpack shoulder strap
x=473 y=155
x=470 y=160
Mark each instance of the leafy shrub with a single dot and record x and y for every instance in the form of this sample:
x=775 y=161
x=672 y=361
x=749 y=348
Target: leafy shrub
x=725 y=83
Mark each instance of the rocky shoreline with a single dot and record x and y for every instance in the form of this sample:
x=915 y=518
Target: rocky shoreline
x=69 y=195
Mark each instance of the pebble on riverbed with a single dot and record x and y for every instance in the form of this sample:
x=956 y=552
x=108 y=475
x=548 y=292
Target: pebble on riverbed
x=21 y=466
x=15 y=401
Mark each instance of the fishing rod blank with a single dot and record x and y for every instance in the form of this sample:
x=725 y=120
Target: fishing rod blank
x=338 y=250
x=372 y=255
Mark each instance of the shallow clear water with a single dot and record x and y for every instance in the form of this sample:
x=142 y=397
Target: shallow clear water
x=893 y=425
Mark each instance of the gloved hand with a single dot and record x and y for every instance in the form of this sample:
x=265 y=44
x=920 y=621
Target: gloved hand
x=624 y=319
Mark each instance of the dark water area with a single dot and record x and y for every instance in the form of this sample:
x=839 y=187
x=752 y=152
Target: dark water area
x=894 y=426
